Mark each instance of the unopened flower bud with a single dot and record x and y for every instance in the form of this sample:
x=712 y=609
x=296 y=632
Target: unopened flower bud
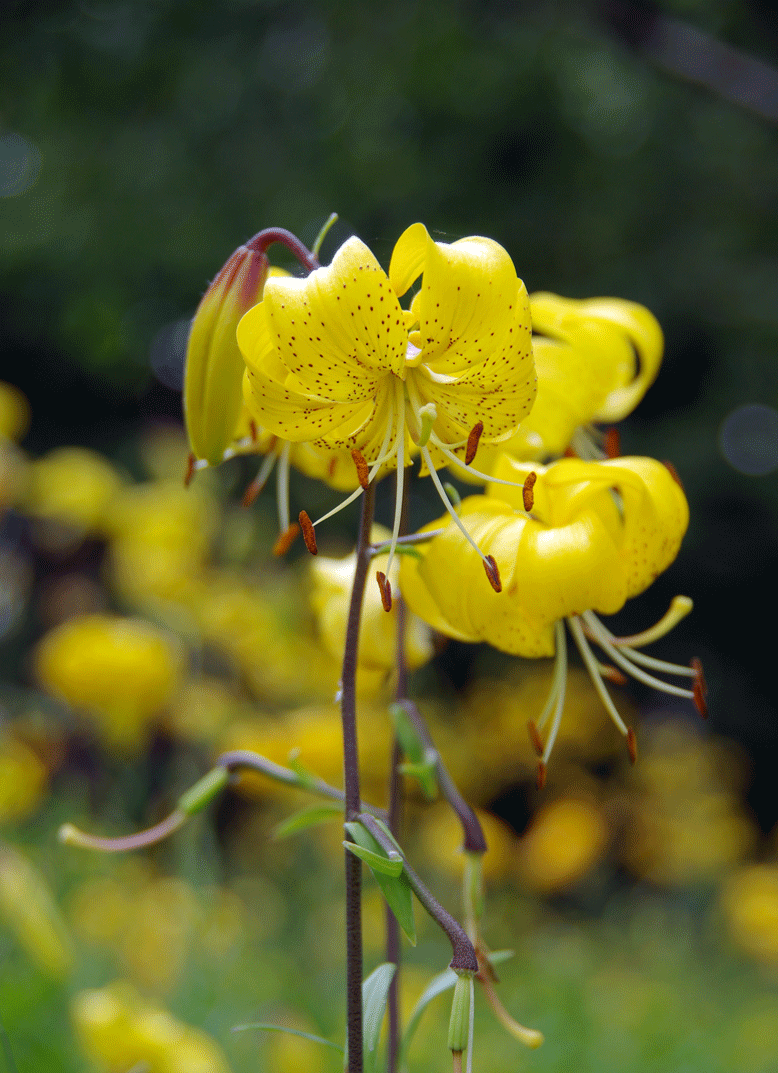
x=459 y=1024
x=213 y=393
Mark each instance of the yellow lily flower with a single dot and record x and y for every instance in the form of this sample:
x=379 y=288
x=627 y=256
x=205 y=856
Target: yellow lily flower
x=595 y=359
x=334 y=359
x=578 y=538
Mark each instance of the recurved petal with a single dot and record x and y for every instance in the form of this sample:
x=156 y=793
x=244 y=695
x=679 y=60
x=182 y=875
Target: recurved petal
x=467 y=303
x=338 y=327
x=656 y=516
x=294 y=416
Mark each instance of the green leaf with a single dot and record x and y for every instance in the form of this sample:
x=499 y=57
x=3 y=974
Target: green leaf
x=426 y=774
x=376 y=862
x=375 y=993
x=410 y=742
x=307 y=817
x=306 y=778
x=395 y=889
x=290 y=1032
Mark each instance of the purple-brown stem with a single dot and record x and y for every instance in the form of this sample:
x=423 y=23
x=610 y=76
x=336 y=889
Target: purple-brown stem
x=264 y=239
x=348 y=712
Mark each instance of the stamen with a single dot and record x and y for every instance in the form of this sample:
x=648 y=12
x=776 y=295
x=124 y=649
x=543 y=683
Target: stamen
x=385 y=587
x=612 y=674
x=361 y=464
x=528 y=493
x=190 y=469
x=309 y=533
x=260 y=480
x=253 y=430
x=632 y=745
x=612 y=443
x=285 y=540
x=492 y=572
x=542 y=774
x=560 y=676
x=600 y=635
x=472 y=442
x=679 y=608
x=282 y=487
x=591 y=665
x=489 y=564
x=399 y=497
x=535 y=738
x=699 y=688
x=457 y=461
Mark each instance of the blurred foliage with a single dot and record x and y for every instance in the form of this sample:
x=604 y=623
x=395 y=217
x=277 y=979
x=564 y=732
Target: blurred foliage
x=613 y=149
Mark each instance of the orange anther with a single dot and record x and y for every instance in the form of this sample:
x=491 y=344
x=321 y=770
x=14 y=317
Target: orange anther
x=363 y=473
x=472 y=442
x=613 y=674
x=332 y=466
x=541 y=775
x=699 y=688
x=252 y=492
x=632 y=745
x=570 y=453
x=534 y=733
x=253 y=431
x=527 y=491
x=286 y=539
x=493 y=573
x=190 y=468
x=612 y=443
x=309 y=534
x=386 y=590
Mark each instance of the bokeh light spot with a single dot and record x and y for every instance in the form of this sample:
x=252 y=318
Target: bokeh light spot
x=748 y=439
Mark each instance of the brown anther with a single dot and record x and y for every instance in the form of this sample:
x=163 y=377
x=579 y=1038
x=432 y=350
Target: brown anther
x=673 y=473
x=570 y=453
x=309 y=533
x=541 y=775
x=528 y=492
x=253 y=431
x=332 y=466
x=613 y=674
x=363 y=473
x=472 y=442
x=632 y=745
x=286 y=539
x=699 y=688
x=493 y=573
x=386 y=589
x=612 y=443
x=535 y=738
x=252 y=492
x=190 y=468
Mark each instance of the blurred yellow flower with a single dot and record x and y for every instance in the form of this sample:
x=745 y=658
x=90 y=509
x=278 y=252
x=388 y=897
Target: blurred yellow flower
x=566 y=838
x=749 y=902
x=28 y=908
x=569 y=538
x=14 y=413
x=331 y=596
x=120 y=1031
x=23 y=778
x=72 y=487
x=120 y=672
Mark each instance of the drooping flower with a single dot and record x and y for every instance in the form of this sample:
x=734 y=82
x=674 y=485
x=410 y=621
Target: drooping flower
x=595 y=359
x=334 y=359
x=583 y=537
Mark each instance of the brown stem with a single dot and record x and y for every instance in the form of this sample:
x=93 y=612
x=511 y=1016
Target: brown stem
x=264 y=239
x=348 y=711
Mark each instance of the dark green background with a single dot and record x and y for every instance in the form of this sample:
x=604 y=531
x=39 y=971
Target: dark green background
x=167 y=132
